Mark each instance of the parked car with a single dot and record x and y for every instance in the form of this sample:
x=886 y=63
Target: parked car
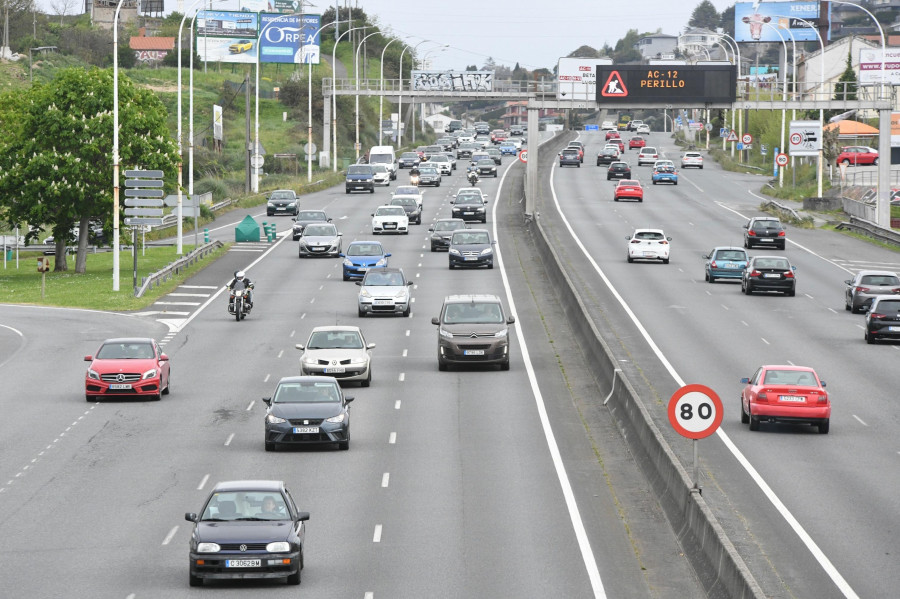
x=307 y=410
x=785 y=394
x=247 y=529
x=866 y=285
x=282 y=201
x=725 y=263
x=766 y=231
x=769 y=273
x=648 y=244
x=471 y=248
x=362 y=256
x=883 y=319
x=472 y=329
x=127 y=367
x=337 y=351
x=384 y=291
x=858 y=155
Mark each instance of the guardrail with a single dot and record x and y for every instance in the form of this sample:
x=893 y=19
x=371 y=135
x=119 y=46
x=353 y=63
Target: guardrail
x=866 y=227
x=176 y=267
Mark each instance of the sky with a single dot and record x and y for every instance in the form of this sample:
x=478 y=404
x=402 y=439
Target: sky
x=534 y=33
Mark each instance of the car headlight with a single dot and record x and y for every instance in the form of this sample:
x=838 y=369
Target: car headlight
x=454 y=251
x=309 y=360
x=358 y=361
x=278 y=547
x=382 y=262
x=208 y=548
x=349 y=180
x=92 y=374
x=270 y=205
x=479 y=210
x=502 y=333
x=402 y=294
x=272 y=419
x=339 y=418
x=487 y=251
x=348 y=262
x=149 y=374
x=363 y=292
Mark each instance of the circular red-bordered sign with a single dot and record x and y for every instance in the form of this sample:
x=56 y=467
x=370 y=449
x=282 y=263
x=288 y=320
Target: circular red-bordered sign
x=796 y=138
x=781 y=159
x=747 y=138
x=695 y=411
x=523 y=155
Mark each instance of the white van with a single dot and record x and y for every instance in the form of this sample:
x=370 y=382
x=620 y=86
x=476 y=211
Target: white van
x=384 y=155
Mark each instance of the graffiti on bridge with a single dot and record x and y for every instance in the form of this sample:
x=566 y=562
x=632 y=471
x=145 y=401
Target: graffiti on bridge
x=471 y=81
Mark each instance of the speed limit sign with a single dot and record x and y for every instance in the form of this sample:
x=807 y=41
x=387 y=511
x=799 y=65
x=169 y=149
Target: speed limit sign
x=781 y=159
x=523 y=155
x=747 y=139
x=695 y=411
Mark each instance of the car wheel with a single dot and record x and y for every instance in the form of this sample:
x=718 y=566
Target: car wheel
x=407 y=311
x=490 y=266
x=615 y=198
x=578 y=165
x=675 y=182
x=433 y=249
x=438 y=184
x=874 y=163
x=630 y=259
x=168 y=384
x=504 y=365
x=824 y=426
x=361 y=313
x=749 y=289
x=846 y=161
x=745 y=417
x=90 y=398
x=781 y=247
x=442 y=365
x=791 y=293
x=701 y=167
x=450 y=265
x=156 y=396
x=295 y=577
x=343 y=446
x=194 y=581
x=347 y=191
x=270 y=446
x=346 y=278
x=870 y=339
x=665 y=261
x=368 y=379
x=372 y=190
x=711 y=278
x=654 y=182
x=754 y=423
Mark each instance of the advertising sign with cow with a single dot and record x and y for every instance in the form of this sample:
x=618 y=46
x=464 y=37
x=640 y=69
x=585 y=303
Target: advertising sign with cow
x=761 y=21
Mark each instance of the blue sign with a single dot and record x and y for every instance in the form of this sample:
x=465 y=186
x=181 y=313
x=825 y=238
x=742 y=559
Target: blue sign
x=771 y=21
x=740 y=146
x=592 y=127
x=723 y=132
x=284 y=39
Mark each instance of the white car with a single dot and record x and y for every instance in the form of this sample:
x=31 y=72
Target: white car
x=382 y=174
x=338 y=351
x=516 y=141
x=464 y=139
x=409 y=190
x=647 y=155
x=390 y=219
x=642 y=129
x=443 y=164
x=692 y=159
x=608 y=126
x=648 y=244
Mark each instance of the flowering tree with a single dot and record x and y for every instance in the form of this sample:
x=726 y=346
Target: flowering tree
x=56 y=152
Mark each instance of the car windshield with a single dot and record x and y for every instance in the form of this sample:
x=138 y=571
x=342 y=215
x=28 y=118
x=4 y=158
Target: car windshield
x=439 y=158
x=471 y=238
x=318 y=230
x=428 y=170
x=649 y=235
x=883 y=280
x=359 y=169
x=282 y=195
x=468 y=199
x=730 y=255
x=306 y=392
x=800 y=378
x=409 y=155
x=377 y=278
x=404 y=202
x=448 y=225
x=365 y=249
x=773 y=263
x=390 y=211
x=381 y=159
x=246 y=505
x=475 y=312
x=125 y=351
x=486 y=162
x=407 y=190
x=334 y=340
x=311 y=215
x=379 y=168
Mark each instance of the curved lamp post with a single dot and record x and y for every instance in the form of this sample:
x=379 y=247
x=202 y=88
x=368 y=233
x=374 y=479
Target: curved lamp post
x=381 y=97
x=400 y=94
x=334 y=91
x=309 y=103
x=356 y=75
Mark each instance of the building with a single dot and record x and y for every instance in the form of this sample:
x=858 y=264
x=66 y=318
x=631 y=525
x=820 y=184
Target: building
x=517 y=114
x=813 y=71
x=150 y=50
x=695 y=40
x=657 y=45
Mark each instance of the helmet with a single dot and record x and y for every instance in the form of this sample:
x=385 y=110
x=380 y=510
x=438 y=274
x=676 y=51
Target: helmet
x=239 y=275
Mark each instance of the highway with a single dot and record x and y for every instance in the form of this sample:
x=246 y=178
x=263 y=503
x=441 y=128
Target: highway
x=819 y=521
x=468 y=483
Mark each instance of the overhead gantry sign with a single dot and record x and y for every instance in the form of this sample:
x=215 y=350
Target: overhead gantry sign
x=662 y=85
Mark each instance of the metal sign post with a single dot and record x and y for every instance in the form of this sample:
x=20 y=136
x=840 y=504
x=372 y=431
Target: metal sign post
x=144 y=202
x=695 y=412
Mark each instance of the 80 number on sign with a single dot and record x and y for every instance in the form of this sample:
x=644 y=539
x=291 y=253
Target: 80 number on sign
x=695 y=411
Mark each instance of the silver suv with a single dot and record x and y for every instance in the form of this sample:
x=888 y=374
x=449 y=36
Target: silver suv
x=473 y=329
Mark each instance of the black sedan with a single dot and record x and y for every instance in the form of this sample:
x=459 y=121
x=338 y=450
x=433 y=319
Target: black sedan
x=307 y=409
x=469 y=207
x=883 y=319
x=471 y=247
x=306 y=217
x=764 y=273
x=247 y=529
x=412 y=207
x=486 y=167
x=442 y=230
x=618 y=170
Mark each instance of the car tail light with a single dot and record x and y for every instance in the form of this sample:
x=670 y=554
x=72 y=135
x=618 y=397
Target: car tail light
x=781 y=233
x=761 y=396
x=713 y=264
x=895 y=290
x=755 y=273
x=635 y=241
x=663 y=242
x=822 y=398
x=877 y=316
x=788 y=274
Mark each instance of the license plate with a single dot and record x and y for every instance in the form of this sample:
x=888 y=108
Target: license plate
x=894 y=329
x=383 y=302
x=243 y=563
x=390 y=226
x=793 y=398
x=301 y=430
x=335 y=370
x=732 y=266
x=468 y=213
x=771 y=276
x=767 y=240
x=473 y=352
x=649 y=254
x=120 y=386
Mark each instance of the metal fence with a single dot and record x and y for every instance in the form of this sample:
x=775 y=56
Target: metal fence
x=176 y=267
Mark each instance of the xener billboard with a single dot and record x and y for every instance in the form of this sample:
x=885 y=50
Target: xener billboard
x=666 y=84
x=767 y=21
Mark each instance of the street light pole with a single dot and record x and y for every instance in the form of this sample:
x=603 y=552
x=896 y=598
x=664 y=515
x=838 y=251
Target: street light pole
x=356 y=74
x=334 y=91
x=309 y=102
x=381 y=97
x=115 y=148
x=400 y=94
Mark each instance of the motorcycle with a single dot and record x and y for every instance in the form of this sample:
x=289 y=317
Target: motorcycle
x=239 y=302
x=414 y=180
x=472 y=177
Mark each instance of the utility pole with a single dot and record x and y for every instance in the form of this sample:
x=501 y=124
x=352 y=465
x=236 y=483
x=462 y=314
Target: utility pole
x=247 y=132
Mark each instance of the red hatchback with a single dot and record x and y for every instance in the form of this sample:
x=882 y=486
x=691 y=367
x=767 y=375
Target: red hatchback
x=629 y=189
x=858 y=155
x=129 y=367
x=636 y=142
x=612 y=135
x=786 y=394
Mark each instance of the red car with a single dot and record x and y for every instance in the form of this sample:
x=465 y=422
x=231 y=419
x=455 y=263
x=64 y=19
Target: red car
x=128 y=367
x=636 y=142
x=629 y=189
x=858 y=155
x=612 y=135
x=617 y=142
x=786 y=394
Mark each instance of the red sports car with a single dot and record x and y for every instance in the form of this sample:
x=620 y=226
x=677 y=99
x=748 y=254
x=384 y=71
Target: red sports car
x=128 y=367
x=636 y=142
x=787 y=394
x=629 y=189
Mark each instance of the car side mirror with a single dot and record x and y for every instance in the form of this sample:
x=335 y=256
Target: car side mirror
x=628 y=237
x=191 y=517
x=431 y=229
x=163 y=358
x=705 y=256
x=359 y=283
x=302 y=516
x=342 y=255
x=300 y=346
x=436 y=320
x=373 y=214
x=388 y=255
x=747 y=226
x=348 y=399
x=668 y=239
x=823 y=383
x=89 y=358
x=294 y=218
x=848 y=282
x=510 y=319
x=340 y=234
x=451 y=201
x=370 y=346
x=794 y=268
x=328 y=220
x=745 y=381
x=267 y=401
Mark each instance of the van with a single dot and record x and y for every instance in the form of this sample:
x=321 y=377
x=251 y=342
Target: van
x=473 y=329
x=384 y=155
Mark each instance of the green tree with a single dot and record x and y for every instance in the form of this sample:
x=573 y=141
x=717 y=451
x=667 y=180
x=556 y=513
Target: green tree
x=846 y=87
x=705 y=16
x=584 y=52
x=726 y=21
x=625 y=50
x=56 y=158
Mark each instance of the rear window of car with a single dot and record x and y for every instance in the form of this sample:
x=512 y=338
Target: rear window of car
x=889 y=306
x=774 y=263
x=730 y=255
x=762 y=225
x=648 y=150
x=879 y=280
x=790 y=377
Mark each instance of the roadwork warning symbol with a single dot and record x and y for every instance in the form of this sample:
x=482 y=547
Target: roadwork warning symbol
x=614 y=86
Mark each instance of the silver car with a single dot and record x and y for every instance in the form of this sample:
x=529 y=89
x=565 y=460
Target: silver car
x=338 y=351
x=867 y=284
x=320 y=239
x=384 y=291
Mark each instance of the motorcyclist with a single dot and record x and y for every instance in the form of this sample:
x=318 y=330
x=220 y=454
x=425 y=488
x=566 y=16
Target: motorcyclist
x=414 y=175
x=239 y=275
x=472 y=174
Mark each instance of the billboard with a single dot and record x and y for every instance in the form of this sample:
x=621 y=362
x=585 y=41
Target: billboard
x=895 y=129
x=476 y=81
x=231 y=36
x=761 y=24
x=289 y=39
x=577 y=77
x=665 y=85
x=870 y=66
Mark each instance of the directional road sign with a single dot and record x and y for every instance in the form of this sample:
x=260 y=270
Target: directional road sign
x=143 y=202
x=187 y=201
x=695 y=411
x=146 y=222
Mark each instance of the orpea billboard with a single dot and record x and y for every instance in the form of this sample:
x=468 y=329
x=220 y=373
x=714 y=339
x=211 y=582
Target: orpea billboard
x=289 y=39
x=234 y=36
x=761 y=21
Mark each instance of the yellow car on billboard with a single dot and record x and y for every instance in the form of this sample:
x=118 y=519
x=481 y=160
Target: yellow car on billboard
x=241 y=46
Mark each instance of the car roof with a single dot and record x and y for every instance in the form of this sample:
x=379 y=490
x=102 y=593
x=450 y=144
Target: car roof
x=649 y=231
x=876 y=272
x=129 y=340
x=728 y=247
x=309 y=377
x=648 y=149
x=474 y=297
x=335 y=327
x=629 y=182
x=788 y=367
x=367 y=242
x=249 y=485
x=448 y=220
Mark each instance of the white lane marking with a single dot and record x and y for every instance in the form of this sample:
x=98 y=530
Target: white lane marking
x=266 y=380
x=229 y=439
x=369 y=595
x=16 y=331
x=302 y=316
x=385 y=480
x=402 y=376
x=809 y=296
x=292 y=334
x=407 y=332
x=860 y=420
x=764 y=341
x=281 y=353
x=833 y=310
x=581 y=536
x=397 y=405
x=404 y=353
x=189 y=294
x=312 y=300
x=198 y=287
x=377 y=537
x=177 y=303
x=203 y=482
x=168 y=538
x=392 y=438
x=250 y=407
x=817 y=553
